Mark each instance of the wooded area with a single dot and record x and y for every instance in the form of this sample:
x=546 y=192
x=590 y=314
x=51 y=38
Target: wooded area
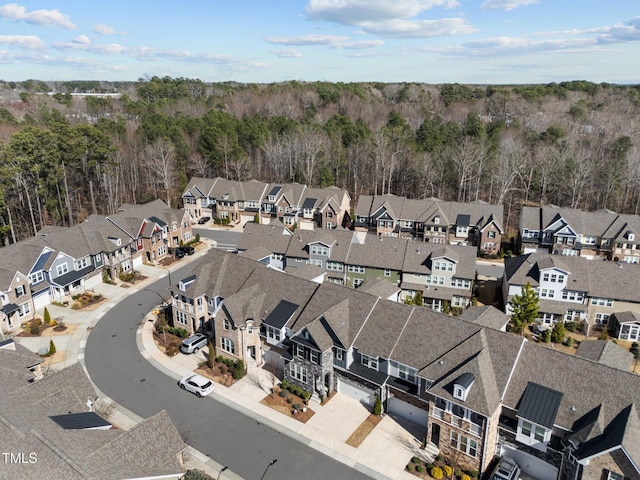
x=64 y=156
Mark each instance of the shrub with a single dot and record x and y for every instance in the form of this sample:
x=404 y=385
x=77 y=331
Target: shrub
x=603 y=335
x=464 y=476
x=420 y=468
x=47 y=316
x=416 y=460
x=377 y=406
x=411 y=467
x=172 y=350
x=285 y=384
x=289 y=400
x=436 y=472
x=297 y=406
x=52 y=348
x=34 y=330
x=238 y=373
x=219 y=358
x=196 y=475
x=447 y=470
x=569 y=341
x=283 y=393
x=36 y=322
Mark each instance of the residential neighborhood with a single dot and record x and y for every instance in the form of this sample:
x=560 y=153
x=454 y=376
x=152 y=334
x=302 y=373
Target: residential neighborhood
x=375 y=310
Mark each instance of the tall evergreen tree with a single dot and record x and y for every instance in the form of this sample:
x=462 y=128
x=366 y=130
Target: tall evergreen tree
x=524 y=308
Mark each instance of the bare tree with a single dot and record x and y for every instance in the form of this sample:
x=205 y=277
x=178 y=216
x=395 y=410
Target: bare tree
x=160 y=165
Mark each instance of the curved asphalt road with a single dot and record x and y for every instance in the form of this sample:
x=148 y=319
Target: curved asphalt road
x=245 y=446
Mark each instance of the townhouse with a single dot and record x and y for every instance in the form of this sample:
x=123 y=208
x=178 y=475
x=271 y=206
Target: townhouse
x=51 y=428
x=60 y=262
x=475 y=391
x=594 y=235
x=432 y=220
x=442 y=274
x=571 y=289
x=293 y=204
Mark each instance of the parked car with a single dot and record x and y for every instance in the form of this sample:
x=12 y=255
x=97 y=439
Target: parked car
x=203 y=220
x=189 y=250
x=194 y=343
x=506 y=469
x=179 y=252
x=197 y=384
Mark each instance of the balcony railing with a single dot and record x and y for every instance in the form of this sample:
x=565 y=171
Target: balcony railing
x=456 y=421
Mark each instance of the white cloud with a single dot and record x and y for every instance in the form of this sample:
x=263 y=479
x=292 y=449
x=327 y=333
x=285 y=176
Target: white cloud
x=360 y=45
x=102 y=29
x=13 y=11
x=307 y=40
x=506 y=4
x=355 y=12
x=286 y=53
x=82 y=40
x=30 y=42
x=333 y=41
x=419 y=28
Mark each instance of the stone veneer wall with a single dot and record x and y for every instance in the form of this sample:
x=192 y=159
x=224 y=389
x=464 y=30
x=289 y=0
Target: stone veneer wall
x=615 y=461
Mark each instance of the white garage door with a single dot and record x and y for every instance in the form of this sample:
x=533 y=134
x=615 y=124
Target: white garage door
x=408 y=411
x=41 y=300
x=246 y=218
x=531 y=465
x=357 y=392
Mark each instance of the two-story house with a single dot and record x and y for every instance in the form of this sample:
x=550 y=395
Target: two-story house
x=443 y=274
x=375 y=257
x=475 y=391
x=196 y=198
x=593 y=235
x=328 y=249
x=570 y=289
x=432 y=220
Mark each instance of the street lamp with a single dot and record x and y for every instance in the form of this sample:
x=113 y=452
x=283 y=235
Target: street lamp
x=265 y=470
x=220 y=472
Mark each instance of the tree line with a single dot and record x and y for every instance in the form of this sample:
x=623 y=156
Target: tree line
x=63 y=158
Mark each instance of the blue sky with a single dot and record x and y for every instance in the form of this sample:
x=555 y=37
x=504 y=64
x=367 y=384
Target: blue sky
x=430 y=41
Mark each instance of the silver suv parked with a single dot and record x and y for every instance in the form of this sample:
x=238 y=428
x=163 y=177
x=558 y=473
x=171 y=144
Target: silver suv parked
x=194 y=343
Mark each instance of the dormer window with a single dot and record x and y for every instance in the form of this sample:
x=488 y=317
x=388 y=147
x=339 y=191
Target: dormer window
x=631 y=236
x=462 y=386
x=436 y=220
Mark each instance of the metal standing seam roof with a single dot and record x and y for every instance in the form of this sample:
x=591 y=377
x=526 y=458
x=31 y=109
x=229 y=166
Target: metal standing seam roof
x=463 y=220
x=280 y=315
x=539 y=404
x=309 y=203
x=80 y=421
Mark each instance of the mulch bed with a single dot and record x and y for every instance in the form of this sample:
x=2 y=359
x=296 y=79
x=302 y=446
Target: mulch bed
x=219 y=374
x=171 y=340
x=282 y=405
x=365 y=428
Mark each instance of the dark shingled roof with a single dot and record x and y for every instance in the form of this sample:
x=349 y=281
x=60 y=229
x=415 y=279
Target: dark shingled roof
x=540 y=405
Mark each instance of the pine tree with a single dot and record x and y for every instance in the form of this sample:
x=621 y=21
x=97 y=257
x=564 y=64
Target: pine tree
x=524 y=309
x=47 y=316
x=52 y=348
x=557 y=334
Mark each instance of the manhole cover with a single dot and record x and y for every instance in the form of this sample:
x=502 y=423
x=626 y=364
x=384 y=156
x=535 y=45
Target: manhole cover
x=113 y=335
x=143 y=380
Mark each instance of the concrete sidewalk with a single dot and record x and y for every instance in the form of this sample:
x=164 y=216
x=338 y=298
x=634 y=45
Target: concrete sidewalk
x=382 y=455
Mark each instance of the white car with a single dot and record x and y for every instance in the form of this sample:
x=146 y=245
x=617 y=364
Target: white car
x=197 y=384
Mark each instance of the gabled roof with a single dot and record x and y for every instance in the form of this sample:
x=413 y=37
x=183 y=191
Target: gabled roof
x=486 y=316
x=605 y=352
x=274 y=237
x=611 y=280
